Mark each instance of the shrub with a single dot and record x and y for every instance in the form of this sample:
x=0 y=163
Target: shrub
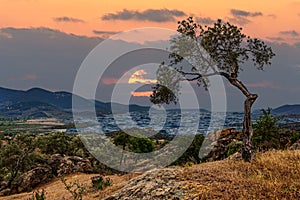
x=233 y=147
x=295 y=137
x=265 y=130
x=76 y=189
x=99 y=182
x=38 y=195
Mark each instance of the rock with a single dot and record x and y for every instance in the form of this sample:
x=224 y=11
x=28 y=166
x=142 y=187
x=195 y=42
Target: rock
x=295 y=146
x=5 y=192
x=62 y=165
x=237 y=156
x=31 y=179
x=217 y=144
x=155 y=184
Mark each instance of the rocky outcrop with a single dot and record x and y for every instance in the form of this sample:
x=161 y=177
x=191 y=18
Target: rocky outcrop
x=217 y=145
x=31 y=179
x=295 y=146
x=156 y=184
x=62 y=165
x=58 y=165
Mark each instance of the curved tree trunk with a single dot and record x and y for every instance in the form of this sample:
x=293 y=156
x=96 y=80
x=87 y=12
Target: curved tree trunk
x=247 y=146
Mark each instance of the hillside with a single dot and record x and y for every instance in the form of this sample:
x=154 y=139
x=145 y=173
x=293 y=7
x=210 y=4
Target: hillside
x=287 y=110
x=273 y=175
x=40 y=101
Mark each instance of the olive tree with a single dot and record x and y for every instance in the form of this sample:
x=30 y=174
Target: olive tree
x=226 y=49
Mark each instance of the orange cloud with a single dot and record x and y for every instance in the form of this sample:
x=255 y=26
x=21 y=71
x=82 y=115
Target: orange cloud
x=138 y=77
x=265 y=84
x=141 y=94
x=109 y=81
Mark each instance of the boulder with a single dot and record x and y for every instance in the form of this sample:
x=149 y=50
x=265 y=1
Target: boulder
x=217 y=144
x=31 y=179
x=155 y=184
x=62 y=165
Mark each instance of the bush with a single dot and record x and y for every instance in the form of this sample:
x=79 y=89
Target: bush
x=76 y=189
x=265 y=130
x=99 y=182
x=134 y=144
x=295 y=137
x=191 y=155
x=233 y=147
x=38 y=195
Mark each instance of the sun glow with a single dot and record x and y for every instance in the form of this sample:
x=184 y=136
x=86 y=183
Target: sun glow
x=138 y=77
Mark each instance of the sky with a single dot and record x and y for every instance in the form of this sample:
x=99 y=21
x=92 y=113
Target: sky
x=44 y=42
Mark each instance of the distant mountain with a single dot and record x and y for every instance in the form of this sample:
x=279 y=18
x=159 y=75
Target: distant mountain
x=283 y=110
x=287 y=110
x=38 y=102
x=33 y=110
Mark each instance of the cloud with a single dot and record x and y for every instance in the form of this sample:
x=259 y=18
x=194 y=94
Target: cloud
x=68 y=19
x=272 y=16
x=243 y=13
x=292 y=33
x=263 y=84
x=5 y=35
x=109 y=80
x=138 y=77
x=29 y=77
x=276 y=39
x=154 y=15
x=205 y=20
x=25 y=77
x=42 y=57
x=297 y=44
x=239 y=20
x=141 y=94
x=240 y=17
x=105 y=32
x=55 y=57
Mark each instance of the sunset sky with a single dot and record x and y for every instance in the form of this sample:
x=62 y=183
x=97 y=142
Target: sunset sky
x=265 y=19
x=44 y=42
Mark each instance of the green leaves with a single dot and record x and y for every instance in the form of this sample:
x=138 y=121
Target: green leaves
x=199 y=52
x=134 y=144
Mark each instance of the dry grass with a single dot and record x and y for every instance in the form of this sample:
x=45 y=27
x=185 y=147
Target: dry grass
x=273 y=175
x=55 y=189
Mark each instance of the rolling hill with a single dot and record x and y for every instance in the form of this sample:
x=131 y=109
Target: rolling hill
x=37 y=102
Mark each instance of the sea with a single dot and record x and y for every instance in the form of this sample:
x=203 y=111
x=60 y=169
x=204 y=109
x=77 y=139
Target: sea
x=176 y=121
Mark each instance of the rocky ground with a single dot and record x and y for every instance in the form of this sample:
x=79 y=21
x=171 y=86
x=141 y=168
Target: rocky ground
x=273 y=175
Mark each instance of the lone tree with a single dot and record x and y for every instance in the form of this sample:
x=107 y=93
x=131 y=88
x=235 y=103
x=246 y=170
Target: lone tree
x=227 y=48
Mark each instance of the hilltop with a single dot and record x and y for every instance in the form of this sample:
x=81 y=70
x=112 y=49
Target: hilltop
x=273 y=175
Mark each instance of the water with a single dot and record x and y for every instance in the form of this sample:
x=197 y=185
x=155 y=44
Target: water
x=176 y=121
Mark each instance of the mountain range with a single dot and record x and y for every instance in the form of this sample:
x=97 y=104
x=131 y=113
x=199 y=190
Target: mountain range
x=37 y=103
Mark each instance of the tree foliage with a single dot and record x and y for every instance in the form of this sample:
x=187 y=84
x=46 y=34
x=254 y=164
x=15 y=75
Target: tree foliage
x=134 y=144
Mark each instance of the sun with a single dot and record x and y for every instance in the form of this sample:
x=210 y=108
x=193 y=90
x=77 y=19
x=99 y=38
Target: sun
x=138 y=77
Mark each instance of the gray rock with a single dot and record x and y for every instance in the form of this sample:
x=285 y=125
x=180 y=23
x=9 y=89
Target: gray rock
x=62 y=165
x=153 y=185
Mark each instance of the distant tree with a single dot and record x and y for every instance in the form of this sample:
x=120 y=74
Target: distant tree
x=134 y=144
x=228 y=49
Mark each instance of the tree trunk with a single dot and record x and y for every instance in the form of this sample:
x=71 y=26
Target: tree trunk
x=247 y=146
